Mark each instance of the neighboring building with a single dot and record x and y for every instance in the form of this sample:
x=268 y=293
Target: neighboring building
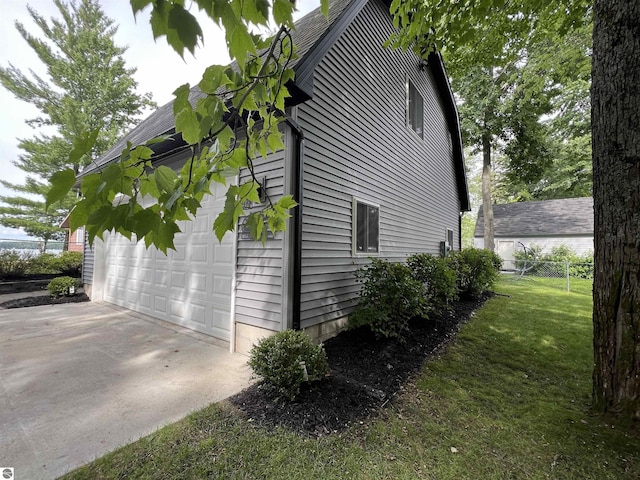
x=376 y=134
x=74 y=241
x=546 y=223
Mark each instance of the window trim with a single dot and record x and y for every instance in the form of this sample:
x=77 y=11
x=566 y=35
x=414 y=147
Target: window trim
x=450 y=235
x=354 y=228
x=408 y=85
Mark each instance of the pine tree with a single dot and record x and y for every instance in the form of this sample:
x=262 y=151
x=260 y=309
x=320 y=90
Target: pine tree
x=87 y=86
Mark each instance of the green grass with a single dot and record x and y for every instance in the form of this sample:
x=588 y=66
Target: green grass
x=511 y=396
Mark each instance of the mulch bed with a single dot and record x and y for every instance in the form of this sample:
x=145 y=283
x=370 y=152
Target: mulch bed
x=43 y=300
x=366 y=373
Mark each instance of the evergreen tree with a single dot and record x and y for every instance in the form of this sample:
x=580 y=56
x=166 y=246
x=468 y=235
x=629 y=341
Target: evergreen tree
x=87 y=87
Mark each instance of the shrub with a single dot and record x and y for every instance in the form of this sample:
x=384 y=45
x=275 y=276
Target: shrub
x=14 y=263
x=389 y=298
x=44 y=263
x=60 y=286
x=277 y=359
x=476 y=270
x=438 y=279
x=70 y=263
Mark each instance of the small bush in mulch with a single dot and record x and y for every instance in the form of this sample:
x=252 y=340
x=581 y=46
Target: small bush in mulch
x=366 y=373
x=43 y=300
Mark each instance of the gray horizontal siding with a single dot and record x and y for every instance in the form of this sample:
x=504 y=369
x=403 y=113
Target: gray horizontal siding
x=357 y=144
x=259 y=268
x=88 y=259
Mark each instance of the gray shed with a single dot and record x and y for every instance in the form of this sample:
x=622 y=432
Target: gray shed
x=546 y=223
x=373 y=155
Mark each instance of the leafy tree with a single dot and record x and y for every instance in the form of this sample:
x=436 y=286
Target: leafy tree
x=568 y=172
x=87 y=87
x=506 y=85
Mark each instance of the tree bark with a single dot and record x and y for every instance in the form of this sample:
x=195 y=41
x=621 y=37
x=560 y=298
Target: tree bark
x=616 y=189
x=487 y=205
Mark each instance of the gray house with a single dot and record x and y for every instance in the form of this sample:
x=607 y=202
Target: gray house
x=374 y=158
x=547 y=223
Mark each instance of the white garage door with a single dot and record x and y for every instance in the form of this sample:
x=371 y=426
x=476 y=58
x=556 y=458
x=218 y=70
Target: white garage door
x=191 y=286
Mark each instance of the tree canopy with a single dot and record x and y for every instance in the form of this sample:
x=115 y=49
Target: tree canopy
x=87 y=87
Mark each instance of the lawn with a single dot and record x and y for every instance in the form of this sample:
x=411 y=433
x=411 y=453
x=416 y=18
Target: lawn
x=509 y=398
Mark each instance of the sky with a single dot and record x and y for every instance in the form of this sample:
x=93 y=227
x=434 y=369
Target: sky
x=159 y=69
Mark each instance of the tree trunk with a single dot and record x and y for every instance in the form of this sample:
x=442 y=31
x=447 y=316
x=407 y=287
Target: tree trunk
x=487 y=205
x=616 y=189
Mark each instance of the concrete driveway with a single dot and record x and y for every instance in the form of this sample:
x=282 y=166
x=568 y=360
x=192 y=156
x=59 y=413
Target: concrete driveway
x=79 y=380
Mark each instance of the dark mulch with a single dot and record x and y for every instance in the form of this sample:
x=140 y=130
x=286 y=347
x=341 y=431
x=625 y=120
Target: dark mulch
x=43 y=300
x=366 y=373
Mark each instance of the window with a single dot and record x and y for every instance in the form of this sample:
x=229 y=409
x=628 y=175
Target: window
x=366 y=228
x=415 y=109
x=450 y=238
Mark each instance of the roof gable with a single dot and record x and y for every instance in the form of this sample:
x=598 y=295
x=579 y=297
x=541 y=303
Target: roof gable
x=566 y=216
x=313 y=36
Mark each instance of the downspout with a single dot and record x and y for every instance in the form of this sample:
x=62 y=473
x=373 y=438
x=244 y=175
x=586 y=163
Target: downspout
x=298 y=164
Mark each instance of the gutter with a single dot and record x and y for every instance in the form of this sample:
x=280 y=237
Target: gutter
x=298 y=164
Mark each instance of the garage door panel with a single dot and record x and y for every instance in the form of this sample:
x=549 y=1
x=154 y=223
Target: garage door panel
x=190 y=286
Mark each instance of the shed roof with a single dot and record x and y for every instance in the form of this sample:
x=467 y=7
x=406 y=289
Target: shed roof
x=566 y=216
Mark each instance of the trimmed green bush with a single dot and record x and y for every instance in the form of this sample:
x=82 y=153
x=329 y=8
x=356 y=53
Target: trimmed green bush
x=389 y=298
x=45 y=263
x=67 y=263
x=277 y=359
x=61 y=286
x=438 y=279
x=15 y=264
x=476 y=270
x=70 y=263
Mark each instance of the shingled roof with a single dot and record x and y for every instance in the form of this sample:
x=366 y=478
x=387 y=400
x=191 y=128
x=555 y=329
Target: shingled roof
x=567 y=216
x=313 y=36
x=308 y=34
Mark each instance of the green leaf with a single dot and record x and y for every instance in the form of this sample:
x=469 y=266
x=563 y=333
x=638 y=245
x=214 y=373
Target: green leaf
x=149 y=187
x=165 y=235
x=79 y=215
x=165 y=178
x=287 y=202
x=187 y=124
x=83 y=145
x=213 y=78
x=61 y=184
x=255 y=223
x=283 y=11
x=145 y=221
x=227 y=220
x=138 y=5
x=324 y=8
x=238 y=159
x=174 y=197
x=187 y=30
x=240 y=44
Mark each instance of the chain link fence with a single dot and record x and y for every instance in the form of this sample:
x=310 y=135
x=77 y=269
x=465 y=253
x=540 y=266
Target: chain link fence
x=564 y=272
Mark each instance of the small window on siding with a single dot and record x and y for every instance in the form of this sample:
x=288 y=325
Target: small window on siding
x=450 y=238
x=415 y=109
x=366 y=228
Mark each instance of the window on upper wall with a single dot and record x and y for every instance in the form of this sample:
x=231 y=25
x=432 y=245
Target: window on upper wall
x=366 y=228
x=415 y=109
